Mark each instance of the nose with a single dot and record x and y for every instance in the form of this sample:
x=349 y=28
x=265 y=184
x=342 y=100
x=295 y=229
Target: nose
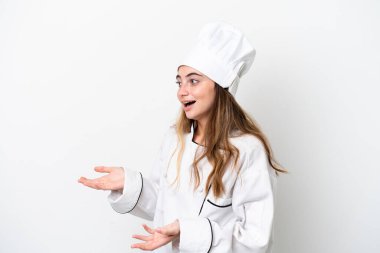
x=183 y=90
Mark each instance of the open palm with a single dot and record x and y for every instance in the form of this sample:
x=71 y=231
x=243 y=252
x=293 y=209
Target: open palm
x=113 y=180
x=157 y=237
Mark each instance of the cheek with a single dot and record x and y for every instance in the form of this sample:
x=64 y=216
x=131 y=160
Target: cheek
x=210 y=97
x=205 y=95
x=207 y=102
x=210 y=102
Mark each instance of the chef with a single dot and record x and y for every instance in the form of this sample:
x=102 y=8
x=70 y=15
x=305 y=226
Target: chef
x=212 y=186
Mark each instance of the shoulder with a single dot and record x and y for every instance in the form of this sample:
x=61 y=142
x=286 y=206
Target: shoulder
x=169 y=136
x=251 y=150
x=247 y=142
x=170 y=131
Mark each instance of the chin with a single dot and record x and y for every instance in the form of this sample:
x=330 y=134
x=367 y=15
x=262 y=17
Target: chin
x=190 y=116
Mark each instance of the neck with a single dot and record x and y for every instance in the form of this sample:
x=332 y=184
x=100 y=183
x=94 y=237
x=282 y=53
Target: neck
x=200 y=132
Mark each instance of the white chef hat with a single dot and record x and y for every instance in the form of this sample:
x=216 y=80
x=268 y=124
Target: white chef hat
x=222 y=53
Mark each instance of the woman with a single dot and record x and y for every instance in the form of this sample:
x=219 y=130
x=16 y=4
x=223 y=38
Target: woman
x=213 y=183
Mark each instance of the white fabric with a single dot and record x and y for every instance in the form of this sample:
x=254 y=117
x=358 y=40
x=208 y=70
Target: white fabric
x=240 y=221
x=222 y=53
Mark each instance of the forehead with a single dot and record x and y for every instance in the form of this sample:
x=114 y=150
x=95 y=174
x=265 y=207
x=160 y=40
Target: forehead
x=184 y=70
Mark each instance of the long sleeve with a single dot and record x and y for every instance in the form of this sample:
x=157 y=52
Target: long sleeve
x=250 y=227
x=139 y=196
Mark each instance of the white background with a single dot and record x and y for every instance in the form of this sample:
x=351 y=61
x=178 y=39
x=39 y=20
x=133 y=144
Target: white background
x=87 y=83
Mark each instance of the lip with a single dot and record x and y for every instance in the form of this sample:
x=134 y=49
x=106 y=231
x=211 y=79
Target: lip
x=187 y=108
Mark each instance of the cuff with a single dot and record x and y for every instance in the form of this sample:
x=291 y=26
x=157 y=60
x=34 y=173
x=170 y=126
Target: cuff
x=124 y=202
x=196 y=235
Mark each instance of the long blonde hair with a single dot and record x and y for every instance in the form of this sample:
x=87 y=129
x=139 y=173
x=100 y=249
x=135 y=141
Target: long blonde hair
x=226 y=117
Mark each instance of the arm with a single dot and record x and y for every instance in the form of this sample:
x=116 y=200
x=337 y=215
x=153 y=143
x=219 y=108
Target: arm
x=139 y=195
x=252 y=203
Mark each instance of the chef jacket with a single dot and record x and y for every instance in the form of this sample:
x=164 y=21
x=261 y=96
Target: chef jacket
x=240 y=221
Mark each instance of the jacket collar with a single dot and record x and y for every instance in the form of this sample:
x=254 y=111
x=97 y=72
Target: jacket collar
x=191 y=136
x=192 y=132
x=192 y=129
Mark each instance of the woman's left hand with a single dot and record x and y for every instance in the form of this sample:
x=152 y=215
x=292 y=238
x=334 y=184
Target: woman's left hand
x=158 y=237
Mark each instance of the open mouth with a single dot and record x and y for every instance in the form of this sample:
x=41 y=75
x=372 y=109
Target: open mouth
x=189 y=103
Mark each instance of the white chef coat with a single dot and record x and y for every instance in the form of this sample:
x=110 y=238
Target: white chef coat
x=240 y=221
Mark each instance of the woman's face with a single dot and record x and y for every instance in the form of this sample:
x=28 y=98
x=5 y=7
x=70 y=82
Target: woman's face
x=193 y=86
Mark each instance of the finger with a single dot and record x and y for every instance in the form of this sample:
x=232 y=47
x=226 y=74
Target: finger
x=142 y=246
x=93 y=183
x=148 y=229
x=153 y=244
x=142 y=237
x=84 y=181
x=170 y=229
x=81 y=179
x=166 y=230
x=103 y=169
x=163 y=231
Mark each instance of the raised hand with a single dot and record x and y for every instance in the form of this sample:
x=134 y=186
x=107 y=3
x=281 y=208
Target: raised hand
x=158 y=237
x=114 y=180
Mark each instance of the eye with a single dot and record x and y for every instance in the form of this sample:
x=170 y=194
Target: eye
x=178 y=83
x=196 y=81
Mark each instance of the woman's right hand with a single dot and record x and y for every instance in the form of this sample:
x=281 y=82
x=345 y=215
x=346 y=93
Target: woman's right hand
x=114 y=180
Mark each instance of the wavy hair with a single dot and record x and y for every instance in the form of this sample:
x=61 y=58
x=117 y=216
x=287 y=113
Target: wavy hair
x=226 y=119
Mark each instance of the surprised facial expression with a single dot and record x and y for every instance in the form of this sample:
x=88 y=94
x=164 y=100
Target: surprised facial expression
x=196 y=92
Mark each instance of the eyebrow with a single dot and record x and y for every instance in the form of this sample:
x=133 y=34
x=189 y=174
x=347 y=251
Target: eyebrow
x=192 y=73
